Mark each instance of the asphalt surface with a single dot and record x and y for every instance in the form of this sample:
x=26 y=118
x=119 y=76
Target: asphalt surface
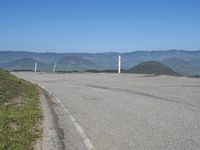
x=125 y=111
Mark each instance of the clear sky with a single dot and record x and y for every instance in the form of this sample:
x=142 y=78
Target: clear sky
x=99 y=25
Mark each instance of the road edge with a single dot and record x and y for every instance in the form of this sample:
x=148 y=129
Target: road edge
x=52 y=136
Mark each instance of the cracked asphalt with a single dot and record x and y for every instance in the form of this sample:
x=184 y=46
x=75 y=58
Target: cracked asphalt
x=125 y=111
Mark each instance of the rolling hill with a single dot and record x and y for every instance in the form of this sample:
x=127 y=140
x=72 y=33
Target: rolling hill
x=152 y=67
x=23 y=64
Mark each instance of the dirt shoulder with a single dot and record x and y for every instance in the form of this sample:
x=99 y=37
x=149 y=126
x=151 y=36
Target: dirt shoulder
x=52 y=136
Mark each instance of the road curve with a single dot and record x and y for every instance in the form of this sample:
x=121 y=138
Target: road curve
x=124 y=111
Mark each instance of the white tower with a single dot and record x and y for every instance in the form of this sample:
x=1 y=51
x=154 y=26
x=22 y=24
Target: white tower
x=35 y=67
x=119 y=64
x=54 y=68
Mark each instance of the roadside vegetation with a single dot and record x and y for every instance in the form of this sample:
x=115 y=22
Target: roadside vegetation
x=20 y=113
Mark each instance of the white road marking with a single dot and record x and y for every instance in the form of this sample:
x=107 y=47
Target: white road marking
x=80 y=130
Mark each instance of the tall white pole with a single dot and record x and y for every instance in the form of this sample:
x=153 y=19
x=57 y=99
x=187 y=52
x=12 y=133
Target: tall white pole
x=35 y=67
x=54 y=68
x=119 y=64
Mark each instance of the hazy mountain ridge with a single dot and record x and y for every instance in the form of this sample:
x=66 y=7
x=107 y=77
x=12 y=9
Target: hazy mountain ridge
x=71 y=62
x=24 y=64
x=181 y=66
x=107 y=60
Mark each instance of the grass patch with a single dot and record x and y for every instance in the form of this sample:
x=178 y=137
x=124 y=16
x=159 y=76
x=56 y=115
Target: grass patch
x=19 y=112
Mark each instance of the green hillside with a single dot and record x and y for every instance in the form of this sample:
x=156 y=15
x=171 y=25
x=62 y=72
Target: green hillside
x=19 y=112
x=152 y=67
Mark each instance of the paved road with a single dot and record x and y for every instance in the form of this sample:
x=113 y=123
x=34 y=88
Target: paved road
x=125 y=111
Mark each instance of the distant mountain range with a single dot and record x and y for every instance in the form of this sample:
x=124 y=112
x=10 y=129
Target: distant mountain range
x=70 y=62
x=183 y=62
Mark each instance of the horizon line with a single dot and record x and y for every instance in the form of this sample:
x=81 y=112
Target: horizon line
x=100 y=52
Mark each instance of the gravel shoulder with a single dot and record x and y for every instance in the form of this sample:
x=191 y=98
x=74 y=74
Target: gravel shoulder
x=52 y=135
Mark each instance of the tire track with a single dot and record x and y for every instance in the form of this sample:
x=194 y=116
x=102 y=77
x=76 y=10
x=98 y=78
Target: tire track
x=140 y=93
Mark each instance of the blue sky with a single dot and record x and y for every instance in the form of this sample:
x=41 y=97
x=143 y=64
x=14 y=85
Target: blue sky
x=99 y=25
